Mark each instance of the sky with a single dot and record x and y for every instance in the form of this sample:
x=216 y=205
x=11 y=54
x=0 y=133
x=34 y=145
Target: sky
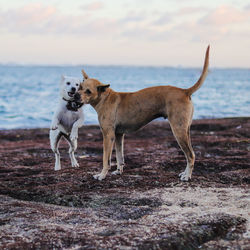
x=125 y=32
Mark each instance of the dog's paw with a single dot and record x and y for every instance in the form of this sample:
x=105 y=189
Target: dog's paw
x=57 y=168
x=116 y=172
x=53 y=127
x=182 y=173
x=99 y=176
x=184 y=176
x=75 y=164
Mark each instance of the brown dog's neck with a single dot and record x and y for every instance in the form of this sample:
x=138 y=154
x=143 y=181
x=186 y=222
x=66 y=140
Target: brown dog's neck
x=98 y=103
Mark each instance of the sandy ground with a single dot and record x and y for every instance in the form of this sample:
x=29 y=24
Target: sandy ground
x=148 y=207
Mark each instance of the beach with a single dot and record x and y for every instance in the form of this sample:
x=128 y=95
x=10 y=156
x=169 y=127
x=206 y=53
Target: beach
x=147 y=207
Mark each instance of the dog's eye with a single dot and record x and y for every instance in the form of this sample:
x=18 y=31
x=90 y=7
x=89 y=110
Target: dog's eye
x=88 y=92
x=77 y=84
x=68 y=83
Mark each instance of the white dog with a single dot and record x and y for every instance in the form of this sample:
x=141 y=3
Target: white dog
x=66 y=120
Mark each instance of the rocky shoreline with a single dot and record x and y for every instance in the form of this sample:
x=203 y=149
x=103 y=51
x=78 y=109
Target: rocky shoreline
x=148 y=207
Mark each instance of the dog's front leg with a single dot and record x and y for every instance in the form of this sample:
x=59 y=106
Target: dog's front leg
x=74 y=131
x=108 y=141
x=54 y=123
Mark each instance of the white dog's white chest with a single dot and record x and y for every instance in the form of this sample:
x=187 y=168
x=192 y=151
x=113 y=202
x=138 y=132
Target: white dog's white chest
x=67 y=119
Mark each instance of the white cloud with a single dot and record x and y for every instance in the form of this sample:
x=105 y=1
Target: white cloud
x=191 y=10
x=133 y=16
x=226 y=15
x=164 y=19
x=41 y=19
x=93 y=6
x=147 y=28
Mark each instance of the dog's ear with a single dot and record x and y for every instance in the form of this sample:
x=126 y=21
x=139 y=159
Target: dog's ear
x=85 y=76
x=62 y=78
x=103 y=87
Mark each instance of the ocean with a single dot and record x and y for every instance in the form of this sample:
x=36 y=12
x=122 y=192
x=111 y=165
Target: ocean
x=29 y=94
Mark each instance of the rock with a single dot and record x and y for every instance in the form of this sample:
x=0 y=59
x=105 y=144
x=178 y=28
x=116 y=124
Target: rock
x=147 y=207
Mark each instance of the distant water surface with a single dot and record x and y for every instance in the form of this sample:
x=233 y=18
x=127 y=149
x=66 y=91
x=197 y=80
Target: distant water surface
x=29 y=94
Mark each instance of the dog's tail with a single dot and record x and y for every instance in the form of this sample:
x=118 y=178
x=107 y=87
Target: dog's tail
x=202 y=78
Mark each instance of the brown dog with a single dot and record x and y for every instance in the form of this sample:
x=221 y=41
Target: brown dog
x=120 y=113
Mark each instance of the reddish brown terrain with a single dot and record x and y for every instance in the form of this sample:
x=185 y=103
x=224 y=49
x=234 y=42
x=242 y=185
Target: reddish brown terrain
x=148 y=207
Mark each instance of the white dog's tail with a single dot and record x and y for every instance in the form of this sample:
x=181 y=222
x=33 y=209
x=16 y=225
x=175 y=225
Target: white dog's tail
x=202 y=78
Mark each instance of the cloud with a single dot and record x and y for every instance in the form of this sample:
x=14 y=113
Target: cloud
x=93 y=6
x=190 y=10
x=40 y=19
x=164 y=19
x=28 y=17
x=172 y=17
x=133 y=16
x=32 y=15
x=37 y=19
x=211 y=25
x=182 y=24
x=226 y=15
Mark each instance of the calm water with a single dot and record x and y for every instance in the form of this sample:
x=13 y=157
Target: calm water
x=29 y=94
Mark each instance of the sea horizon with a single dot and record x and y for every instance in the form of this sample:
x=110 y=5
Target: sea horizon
x=118 y=65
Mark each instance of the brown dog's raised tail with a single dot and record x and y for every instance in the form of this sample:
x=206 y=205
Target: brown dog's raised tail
x=202 y=78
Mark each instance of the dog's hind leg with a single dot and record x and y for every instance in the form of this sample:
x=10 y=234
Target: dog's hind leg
x=72 y=149
x=183 y=139
x=55 y=136
x=119 y=138
x=108 y=142
x=180 y=125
